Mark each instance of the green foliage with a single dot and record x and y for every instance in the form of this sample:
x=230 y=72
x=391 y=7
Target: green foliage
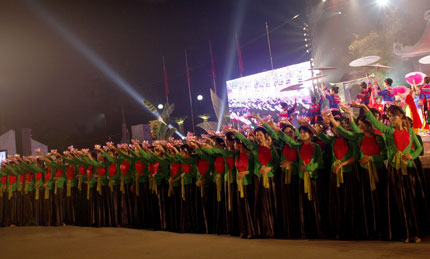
x=159 y=128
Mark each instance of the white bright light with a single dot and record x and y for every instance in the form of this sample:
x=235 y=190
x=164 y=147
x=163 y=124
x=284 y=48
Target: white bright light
x=323 y=1
x=382 y=3
x=340 y=12
x=199 y=97
x=160 y=106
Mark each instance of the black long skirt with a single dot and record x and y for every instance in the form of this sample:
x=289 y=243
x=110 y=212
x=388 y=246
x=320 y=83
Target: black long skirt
x=2 y=207
x=10 y=213
x=374 y=207
x=265 y=208
x=37 y=208
x=81 y=206
x=91 y=205
x=406 y=204
x=144 y=205
x=162 y=194
x=245 y=211
x=102 y=211
x=28 y=214
x=47 y=208
x=346 y=217
x=290 y=216
x=154 y=205
x=59 y=207
x=69 y=207
x=139 y=206
x=173 y=210
x=219 y=221
x=114 y=205
x=126 y=213
x=19 y=202
x=188 y=215
x=310 y=214
x=232 y=225
x=204 y=206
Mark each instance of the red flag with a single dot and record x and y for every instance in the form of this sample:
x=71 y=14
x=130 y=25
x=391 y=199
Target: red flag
x=166 y=85
x=239 y=55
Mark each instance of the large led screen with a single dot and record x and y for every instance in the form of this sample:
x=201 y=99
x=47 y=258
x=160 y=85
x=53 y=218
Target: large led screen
x=262 y=93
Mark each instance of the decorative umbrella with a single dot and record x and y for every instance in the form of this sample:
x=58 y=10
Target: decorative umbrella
x=415 y=78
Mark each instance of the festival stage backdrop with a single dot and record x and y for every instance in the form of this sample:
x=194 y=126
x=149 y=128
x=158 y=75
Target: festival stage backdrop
x=261 y=93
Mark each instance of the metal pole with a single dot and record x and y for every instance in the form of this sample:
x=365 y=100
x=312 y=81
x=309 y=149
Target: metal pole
x=268 y=43
x=189 y=90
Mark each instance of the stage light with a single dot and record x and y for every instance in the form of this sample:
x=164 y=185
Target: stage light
x=304 y=34
x=199 y=97
x=382 y=3
x=339 y=12
x=304 y=28
x=295 y=16
x=312 y=59
x=307 y=51
x=323 y=1
x=306 y=39
x=306 y=45
x=160 y=106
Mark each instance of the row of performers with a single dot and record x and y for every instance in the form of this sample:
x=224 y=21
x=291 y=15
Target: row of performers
x=372 y=95
x=276 y=182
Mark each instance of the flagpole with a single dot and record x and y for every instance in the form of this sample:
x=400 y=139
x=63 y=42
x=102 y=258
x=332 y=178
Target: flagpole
x=239 y=55
x=213 y=65
x=268 y=42
x=166 y=88
x=189 y=89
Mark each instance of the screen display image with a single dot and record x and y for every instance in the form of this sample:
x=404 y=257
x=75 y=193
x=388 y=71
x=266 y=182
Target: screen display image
x=264 y=92
x=3 y=156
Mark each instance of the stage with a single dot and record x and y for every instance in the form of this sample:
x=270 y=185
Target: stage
x=83 y=242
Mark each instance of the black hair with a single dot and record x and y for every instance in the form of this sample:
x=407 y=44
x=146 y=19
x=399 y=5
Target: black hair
x=427 y=80
x=230 y=136
x=284 y=126
x=375 y=112
x=364 y=120
x=363 y=85
x=260 y=129
x=186 y=148
x=219 y=141
x=411 y=122
x=306 y=129
x=397 y=110
x=335 y=89
x=284 y=105
x=344 y=119
x=388 y=81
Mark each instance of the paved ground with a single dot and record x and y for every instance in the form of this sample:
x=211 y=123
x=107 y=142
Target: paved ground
x=79 y=242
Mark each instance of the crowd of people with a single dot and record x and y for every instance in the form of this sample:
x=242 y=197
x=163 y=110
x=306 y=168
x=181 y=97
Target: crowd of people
x=338 y=177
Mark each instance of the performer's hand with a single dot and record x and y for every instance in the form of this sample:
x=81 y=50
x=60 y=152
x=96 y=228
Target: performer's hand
x=346 y=109
x=407 y=157
x=202 y=181
x=365 y=159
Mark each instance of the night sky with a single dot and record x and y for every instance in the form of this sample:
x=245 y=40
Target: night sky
x=51 y=87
